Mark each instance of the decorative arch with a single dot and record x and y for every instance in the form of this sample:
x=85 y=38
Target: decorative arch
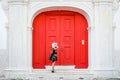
x=85 y=11
x=86 y=14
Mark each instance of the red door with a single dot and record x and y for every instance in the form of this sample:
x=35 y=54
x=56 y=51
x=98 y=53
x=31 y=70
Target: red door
x=66 y=28
x=60 y=29
x=52 y=34
x=67 y=40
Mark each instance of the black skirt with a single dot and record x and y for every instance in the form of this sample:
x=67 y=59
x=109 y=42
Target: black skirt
x=53 y=58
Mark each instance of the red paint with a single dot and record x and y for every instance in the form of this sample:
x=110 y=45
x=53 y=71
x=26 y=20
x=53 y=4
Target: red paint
x=38 y=42
x=67 y=40
x=52 y=34
x=66 y=28
x=81 y=33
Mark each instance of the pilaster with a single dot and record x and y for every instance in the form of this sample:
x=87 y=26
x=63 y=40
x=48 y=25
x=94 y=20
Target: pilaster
x=103 y=35
x=17 y=35
x=29 y=46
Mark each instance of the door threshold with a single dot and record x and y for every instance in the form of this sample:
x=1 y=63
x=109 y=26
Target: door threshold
x=63 y=67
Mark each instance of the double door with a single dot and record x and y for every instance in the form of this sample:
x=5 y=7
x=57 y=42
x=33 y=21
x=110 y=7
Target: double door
x=60 y=29
x=69 y=30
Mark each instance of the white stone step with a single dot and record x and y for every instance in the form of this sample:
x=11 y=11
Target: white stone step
x=62 y=69
x=65 y=72
x=72 y=67
x=58 y=71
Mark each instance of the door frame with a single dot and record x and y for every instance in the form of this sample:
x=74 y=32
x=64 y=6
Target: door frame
x=35 y=10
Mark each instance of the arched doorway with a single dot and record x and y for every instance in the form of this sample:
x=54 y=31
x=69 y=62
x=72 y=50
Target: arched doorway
x=69 y=30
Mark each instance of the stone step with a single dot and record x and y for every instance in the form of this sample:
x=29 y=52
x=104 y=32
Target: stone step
x=81 y=72
x=62 y=70
x=62 y=74
x=70 y=67
x=62 y=78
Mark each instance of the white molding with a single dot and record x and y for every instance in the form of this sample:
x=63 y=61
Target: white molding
x=18 y=2
x=16 y=69
x=103 y=69
x=80 y=7
x=71 y=67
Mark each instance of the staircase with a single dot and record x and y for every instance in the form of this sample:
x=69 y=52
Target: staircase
x=61 y=73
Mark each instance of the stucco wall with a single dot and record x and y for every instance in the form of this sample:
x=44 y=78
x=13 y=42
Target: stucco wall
x=25 y=30
x=3 y=40
x=3 y=34
x=117 y=39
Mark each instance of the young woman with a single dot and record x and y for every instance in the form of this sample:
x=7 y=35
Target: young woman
x=53 y=58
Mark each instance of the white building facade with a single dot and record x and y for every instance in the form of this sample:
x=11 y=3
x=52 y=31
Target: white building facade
x=102 y=57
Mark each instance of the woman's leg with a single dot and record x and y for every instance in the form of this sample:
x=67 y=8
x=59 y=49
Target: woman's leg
x=53 y=65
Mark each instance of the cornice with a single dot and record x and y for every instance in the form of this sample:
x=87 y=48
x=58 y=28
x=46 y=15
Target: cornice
x=113 y=3
x=18 y=2
x=102 y=1
x=7 y=3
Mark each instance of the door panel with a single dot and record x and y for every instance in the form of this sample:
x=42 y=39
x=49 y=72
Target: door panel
x=60 y=29
x=81 y=42
x=52 y=34
x=38 y=42
x=67 y=40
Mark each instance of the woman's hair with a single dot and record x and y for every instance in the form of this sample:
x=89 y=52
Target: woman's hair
x=52 y=49
x=54 y=45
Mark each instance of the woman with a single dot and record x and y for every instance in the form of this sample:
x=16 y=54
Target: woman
x=53 y=58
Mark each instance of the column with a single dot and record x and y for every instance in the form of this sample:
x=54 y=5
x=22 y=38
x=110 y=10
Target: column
x=103 y=35
x=17 y=35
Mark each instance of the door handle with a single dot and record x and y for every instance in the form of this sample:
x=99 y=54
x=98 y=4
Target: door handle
x=83 y=42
